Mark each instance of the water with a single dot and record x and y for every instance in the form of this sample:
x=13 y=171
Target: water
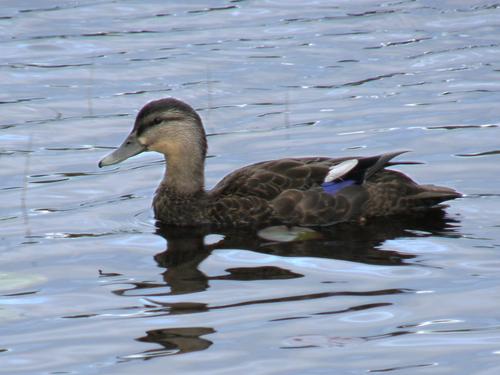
x=88 y=285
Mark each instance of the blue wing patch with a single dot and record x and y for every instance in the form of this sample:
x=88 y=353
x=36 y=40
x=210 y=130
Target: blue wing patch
x=333 y=187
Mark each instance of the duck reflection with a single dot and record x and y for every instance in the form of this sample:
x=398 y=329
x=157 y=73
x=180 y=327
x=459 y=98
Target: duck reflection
x=186 y=250
x=176 y=341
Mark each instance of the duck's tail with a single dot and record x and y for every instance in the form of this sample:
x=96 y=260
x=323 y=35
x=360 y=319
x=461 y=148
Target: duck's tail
x=432 y=195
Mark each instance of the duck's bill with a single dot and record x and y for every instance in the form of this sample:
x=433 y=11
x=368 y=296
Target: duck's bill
x=127 y=149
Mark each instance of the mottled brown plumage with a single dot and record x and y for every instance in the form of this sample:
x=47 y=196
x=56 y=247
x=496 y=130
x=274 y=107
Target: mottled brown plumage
x=289 y=191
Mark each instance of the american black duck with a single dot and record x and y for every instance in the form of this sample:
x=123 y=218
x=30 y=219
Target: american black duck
x=311 y=191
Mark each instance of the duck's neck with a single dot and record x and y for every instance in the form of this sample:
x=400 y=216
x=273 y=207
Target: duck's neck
x=185 y=172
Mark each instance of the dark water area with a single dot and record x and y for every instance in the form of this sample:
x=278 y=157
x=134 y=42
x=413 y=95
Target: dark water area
x=89 y=284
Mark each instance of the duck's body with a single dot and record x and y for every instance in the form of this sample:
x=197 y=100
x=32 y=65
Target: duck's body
x=296 y=191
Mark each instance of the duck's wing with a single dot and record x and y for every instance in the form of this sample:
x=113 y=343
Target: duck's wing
x=269 y=179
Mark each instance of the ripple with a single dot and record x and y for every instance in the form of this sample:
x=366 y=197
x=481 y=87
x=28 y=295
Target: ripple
x=459 y=127
x=484 y=153
x=406 y=367
x=402 y=42
x=318 y=341
x=213 y=9
x=21 y=100
x=468 y=47
x=372 y=13
x=48 y=66
x=377 y=316
x=360 y=82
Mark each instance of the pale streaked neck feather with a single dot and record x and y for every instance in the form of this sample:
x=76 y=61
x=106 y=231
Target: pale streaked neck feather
x=185 y=173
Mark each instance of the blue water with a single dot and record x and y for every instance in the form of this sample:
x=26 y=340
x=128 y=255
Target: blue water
x=89 y=285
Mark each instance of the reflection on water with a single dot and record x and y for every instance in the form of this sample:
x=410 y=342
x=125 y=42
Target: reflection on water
x=186 y=250
x=174 y=341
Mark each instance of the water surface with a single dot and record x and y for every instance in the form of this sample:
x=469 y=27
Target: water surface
x=89 y=285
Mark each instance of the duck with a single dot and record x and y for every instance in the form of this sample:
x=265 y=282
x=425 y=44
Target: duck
x=295 y=191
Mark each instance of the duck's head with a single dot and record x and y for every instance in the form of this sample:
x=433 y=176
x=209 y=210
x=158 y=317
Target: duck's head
x=167 y=126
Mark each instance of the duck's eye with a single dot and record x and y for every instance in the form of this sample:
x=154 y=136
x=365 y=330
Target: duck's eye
x=157 y=120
